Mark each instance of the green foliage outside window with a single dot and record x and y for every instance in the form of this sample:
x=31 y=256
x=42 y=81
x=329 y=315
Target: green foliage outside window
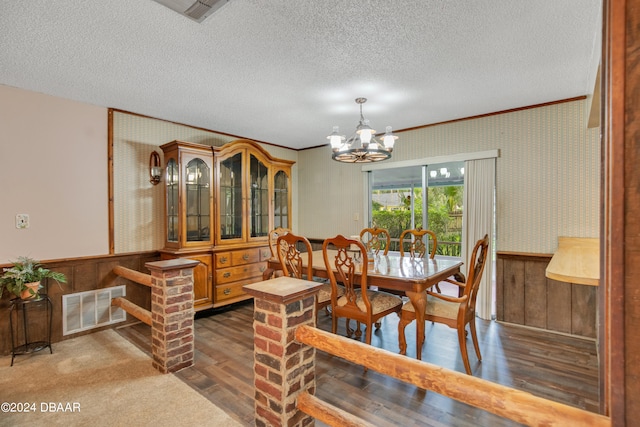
x=445 y=216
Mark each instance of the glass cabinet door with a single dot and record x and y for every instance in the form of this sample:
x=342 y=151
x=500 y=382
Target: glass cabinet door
x=198 y=201
x=172 y=200
x=259 y=198
x=281 y=200
x=231 y=198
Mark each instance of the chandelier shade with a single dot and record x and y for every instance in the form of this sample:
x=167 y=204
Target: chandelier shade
x=362 y=146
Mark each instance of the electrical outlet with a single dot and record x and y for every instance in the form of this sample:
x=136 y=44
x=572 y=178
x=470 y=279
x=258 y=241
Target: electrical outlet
x=356 y=216
x=22 y=220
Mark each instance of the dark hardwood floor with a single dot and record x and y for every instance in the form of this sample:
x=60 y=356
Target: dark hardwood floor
x=557 y=367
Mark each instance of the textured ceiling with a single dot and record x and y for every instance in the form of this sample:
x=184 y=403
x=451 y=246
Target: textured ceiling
x=285 y=72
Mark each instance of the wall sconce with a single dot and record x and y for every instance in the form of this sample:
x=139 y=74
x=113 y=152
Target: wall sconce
x=155 y=168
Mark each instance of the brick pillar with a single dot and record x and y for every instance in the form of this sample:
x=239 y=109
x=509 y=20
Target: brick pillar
x=172 y=314
x=283 y=367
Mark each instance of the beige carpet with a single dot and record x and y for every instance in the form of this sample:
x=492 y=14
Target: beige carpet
x=108 y=379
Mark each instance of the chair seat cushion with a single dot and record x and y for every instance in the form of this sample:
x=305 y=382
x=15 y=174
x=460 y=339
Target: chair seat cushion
x=436 y=307
x=325 y=293
x=380 y=301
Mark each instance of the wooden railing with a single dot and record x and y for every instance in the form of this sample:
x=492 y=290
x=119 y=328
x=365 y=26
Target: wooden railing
x=506 y=402
x=133 y=309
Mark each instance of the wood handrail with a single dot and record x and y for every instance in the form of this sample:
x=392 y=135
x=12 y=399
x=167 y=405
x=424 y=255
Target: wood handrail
x=327 y=413
x=133 y=275
x=135 y=310
x=506 y=402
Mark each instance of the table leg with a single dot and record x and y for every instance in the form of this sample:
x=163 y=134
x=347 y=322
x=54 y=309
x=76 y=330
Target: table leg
x=419 y=301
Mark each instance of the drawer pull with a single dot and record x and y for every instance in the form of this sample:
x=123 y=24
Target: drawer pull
x=226 y=275
x=262 y=269
x=223 y=260
x=245 y=257
x=227 y=291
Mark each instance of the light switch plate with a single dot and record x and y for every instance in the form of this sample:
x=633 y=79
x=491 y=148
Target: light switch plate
x=22 y=220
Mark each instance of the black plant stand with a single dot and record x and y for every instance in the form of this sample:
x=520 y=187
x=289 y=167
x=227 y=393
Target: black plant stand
x=22 y=315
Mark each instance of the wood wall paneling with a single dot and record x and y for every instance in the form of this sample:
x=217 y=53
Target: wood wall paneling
x=513 y=301
x=525 y=296
x=535 y=295
x=583 y=310
x=559 y=304
x=85 y=274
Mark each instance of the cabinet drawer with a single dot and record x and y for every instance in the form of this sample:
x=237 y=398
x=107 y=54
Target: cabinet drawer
x=222 y=259
x=232 y=274
x=245 y=256
x=229 y=290
x=239 y=257
x=234 y=289
x=265 y=253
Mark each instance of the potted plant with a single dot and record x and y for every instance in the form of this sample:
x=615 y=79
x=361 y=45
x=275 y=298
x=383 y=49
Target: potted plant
x=24 y=278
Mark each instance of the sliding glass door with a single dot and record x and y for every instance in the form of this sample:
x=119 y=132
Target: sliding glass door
x=428 y=196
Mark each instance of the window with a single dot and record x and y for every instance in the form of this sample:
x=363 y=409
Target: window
x=398 y=202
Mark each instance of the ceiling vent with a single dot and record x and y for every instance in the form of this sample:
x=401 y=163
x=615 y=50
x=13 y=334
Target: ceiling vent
x=197 y=11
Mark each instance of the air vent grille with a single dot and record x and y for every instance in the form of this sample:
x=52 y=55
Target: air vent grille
x=91 y=309
x=197 y=11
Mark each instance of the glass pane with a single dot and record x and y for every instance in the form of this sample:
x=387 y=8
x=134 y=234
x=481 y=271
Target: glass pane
x=445 y=201
x=172 y=200
x=231 y=197
x=281 y=200
x=397 y=203
x=396 y=199
x=198 y=206
x=259 y=202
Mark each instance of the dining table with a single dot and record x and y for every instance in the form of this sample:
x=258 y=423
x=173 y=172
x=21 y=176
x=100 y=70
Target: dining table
x=399 y=274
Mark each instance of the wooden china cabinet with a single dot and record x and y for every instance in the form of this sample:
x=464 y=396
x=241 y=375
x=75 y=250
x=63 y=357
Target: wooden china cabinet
x=189 y=212
x=246 y=197
x=221 y=203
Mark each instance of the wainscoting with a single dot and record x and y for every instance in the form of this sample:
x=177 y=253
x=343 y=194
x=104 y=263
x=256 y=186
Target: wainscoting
x=525 y=296
x=83 y=274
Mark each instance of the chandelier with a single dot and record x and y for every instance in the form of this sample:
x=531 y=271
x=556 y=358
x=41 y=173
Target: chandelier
x=362 y=146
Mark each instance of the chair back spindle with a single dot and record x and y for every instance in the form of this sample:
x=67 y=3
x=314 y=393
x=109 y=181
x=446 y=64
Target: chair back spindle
x=376 y=239
x=273 y=239
x=291 y=259
x=417 y=246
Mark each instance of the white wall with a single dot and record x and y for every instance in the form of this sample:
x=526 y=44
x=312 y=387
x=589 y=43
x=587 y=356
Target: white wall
x=53 y=154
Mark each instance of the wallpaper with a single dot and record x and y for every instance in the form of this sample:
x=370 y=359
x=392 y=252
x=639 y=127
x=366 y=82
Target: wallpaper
x=138 y=204
x=547 y=176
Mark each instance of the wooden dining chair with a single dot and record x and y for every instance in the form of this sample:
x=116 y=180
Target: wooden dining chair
x=292 y=263
x=273 y=239
x=358 y=302
x=455 y=312
x=417 y=247
x=375 y=240
x=273 y=235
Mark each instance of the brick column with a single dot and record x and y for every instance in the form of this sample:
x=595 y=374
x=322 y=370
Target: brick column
x=283 y=368
x=172 y=314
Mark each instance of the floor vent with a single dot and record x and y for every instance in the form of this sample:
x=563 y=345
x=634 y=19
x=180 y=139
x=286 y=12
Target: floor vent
x=87 y=310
